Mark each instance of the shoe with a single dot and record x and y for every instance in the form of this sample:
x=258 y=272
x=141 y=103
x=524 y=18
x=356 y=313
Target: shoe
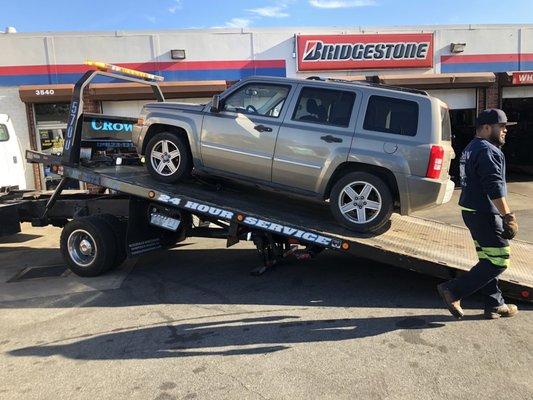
x=453 y=305
x=505 y=310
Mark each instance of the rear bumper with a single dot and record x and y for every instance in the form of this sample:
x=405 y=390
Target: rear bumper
x=426 y=193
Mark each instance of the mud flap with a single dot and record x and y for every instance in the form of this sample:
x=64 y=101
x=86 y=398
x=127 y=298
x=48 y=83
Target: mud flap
x=143 y=237
x=10 y=220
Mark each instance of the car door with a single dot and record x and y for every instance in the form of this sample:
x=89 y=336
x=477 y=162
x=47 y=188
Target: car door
x=240 y=138
x=10 y=157
x=315 y=137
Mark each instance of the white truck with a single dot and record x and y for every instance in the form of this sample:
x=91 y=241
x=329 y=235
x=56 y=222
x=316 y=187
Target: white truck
x=12 y=162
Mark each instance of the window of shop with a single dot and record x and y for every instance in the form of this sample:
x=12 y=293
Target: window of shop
x=51 y=126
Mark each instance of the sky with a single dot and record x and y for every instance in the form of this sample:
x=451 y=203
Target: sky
x=109 y=15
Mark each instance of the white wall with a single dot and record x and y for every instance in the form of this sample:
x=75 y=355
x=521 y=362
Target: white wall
x=239 y=44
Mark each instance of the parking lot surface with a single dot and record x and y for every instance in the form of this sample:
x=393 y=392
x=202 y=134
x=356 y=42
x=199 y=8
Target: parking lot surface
x=191 y=323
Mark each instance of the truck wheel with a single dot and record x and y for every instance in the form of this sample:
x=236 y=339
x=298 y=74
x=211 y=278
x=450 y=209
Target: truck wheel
x=118 y=227
x=361 y=202
x=168 y=157
x=88 y=246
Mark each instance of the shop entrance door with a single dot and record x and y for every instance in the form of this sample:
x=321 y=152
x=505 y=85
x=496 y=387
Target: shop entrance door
x=50 y=141
x=519 y=140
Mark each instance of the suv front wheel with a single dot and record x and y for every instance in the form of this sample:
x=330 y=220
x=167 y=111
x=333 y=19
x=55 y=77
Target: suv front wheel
x=168 y=158
x=361 y=202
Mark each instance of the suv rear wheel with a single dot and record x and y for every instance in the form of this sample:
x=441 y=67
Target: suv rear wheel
x=361 y=202
x=168 y=158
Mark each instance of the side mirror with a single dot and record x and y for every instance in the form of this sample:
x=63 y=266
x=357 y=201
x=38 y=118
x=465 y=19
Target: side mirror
x=215 y=103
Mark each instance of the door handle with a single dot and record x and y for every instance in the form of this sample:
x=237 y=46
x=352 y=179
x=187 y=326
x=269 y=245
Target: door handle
x=331 y=139
x=262 y=128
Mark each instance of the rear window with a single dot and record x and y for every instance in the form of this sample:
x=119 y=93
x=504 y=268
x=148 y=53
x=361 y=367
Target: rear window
x=446 y=126
x=390 y=115
x=4 y=134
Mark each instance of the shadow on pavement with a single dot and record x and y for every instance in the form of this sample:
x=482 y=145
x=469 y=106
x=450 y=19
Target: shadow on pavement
x=244 y=336
x=18 y=238
x=221 y=277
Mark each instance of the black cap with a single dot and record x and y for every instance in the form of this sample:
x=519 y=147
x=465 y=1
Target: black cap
x=492 y=116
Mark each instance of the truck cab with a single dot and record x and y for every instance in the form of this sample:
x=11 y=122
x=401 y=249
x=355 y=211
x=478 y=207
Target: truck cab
x=12 y=164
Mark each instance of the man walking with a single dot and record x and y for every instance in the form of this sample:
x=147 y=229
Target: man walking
x=487 y=215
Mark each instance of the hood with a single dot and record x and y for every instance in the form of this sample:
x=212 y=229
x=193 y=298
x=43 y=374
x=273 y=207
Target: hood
x=175 y=106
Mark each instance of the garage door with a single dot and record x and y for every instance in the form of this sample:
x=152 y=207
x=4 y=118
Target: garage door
x=132 y=108
x=456 y=98
x=517 y=92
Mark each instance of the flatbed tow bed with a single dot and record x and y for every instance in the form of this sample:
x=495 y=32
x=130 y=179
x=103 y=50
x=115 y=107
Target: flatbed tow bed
x=275 y=223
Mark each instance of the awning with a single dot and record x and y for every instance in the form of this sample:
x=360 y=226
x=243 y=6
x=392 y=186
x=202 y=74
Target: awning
x=519 y=78
x=120 y=91
x=435 y=81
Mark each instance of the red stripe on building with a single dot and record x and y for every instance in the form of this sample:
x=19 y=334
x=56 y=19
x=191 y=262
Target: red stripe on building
x=526 y=57
x=482 y=58
x=148 y=66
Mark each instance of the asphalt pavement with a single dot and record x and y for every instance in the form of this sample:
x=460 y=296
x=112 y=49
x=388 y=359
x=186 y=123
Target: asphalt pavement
x=192 y=323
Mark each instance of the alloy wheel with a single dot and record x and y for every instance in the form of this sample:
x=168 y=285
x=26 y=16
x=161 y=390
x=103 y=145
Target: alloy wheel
x=360 y=202
x=165 y=157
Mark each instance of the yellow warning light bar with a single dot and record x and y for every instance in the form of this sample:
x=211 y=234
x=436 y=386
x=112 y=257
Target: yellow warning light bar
x=126 y=71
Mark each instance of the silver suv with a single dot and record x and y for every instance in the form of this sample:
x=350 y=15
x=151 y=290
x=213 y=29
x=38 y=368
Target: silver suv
x=367 y=149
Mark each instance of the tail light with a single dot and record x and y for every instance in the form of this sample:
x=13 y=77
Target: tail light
x=436 y=160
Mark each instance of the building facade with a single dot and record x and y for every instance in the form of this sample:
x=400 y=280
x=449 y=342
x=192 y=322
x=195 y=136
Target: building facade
x=469 y=67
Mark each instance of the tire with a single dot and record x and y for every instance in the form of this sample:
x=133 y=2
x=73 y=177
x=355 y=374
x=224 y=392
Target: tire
x=118 y=227
x=173 y=169
x=94 y=256
x=379 y=194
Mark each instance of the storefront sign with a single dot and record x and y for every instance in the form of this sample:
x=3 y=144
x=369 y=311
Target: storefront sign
x=347 y=52
x=523 y=78
x=107 y=127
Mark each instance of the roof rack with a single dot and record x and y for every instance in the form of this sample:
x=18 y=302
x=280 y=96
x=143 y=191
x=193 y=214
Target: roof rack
x=372 y=84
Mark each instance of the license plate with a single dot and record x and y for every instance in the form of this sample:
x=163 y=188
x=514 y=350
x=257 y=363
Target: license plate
x=164 y=221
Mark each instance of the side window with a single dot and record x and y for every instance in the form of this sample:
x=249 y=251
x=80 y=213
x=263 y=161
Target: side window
x=4 y=134
x=390 y=115
x=324 y=106
x=259 y=99
x=446 y=125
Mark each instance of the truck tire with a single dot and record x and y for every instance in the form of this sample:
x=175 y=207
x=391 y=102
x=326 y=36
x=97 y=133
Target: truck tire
x=88 y=246
x=361 y=202
x=118 y=227
x=168 y=157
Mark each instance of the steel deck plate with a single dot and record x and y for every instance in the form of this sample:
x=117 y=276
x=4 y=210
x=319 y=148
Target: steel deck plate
x=408 y=238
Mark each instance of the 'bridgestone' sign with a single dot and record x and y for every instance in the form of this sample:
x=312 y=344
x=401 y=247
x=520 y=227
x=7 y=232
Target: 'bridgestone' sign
x=347 y=52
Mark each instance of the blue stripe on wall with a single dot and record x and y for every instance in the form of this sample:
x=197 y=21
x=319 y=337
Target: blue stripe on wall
x=479 y=67
x=195 y=75
x=526 y=65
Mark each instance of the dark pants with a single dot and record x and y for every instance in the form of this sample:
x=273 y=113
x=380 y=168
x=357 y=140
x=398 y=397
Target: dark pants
x=493 y=253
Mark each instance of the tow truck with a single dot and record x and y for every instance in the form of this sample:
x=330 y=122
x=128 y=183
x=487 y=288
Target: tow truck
x=132 y=214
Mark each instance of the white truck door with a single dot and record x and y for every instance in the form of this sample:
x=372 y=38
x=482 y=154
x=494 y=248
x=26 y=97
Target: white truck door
x=11 y=160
